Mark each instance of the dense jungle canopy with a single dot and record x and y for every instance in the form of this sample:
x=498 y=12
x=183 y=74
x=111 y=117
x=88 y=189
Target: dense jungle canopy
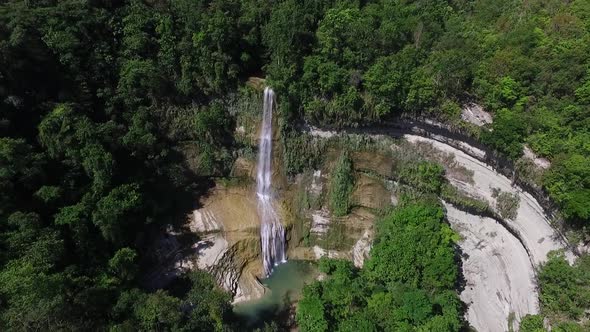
x=99 y=100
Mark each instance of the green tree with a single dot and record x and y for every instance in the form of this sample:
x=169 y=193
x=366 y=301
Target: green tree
x=138 y=82
x=562 y=287
x=507 y=134
x=567 y=182
x=407 y=284
x=210 y=308
x=412 y=248
x=35 y=297
x=341 y=185
x=359 y=321
x=386 y=83
x=310 y=311
x=344 y=36
x=567 y=327
x=158 y=312
x=425 y=176
x=20 y=168
x=123 y=264
x=113 y=210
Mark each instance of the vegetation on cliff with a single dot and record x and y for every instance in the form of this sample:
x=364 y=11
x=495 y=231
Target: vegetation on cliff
x=407 y=284
x=341 y=185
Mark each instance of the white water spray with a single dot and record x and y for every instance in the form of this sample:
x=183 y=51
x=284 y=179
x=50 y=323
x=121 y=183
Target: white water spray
x=272 y=233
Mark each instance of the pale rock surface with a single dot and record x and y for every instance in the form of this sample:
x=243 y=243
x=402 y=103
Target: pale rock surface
x=314 y=131
x=498 y=272
x=474 y=113
x=316 y=183
x=321 y=252
x=229 y=245
x=540 y=162
x=209 y=250
x=203 y=221
x=358 y=253
x=530 y=223
x=361 y=249
x=320 y=222
x=499 y=269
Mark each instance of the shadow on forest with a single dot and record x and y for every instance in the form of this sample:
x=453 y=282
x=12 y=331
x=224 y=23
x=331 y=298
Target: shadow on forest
x=168 y=241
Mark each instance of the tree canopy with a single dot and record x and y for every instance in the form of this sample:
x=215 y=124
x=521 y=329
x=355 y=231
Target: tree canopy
x=408 y=284
x=92 y=160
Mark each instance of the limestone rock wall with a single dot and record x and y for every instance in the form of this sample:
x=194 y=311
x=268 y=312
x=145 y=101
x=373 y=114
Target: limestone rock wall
x=230 y=247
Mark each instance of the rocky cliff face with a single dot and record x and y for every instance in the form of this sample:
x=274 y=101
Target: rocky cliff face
x=228 y=221
x=230 y=245
x=229 y=226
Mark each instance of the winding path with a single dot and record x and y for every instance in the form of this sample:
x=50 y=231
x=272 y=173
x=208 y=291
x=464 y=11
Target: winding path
x=499 y=260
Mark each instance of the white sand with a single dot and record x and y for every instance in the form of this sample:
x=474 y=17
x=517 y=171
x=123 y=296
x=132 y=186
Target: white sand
x=498 y=272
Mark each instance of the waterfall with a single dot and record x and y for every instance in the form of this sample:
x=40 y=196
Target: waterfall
x=272 y=233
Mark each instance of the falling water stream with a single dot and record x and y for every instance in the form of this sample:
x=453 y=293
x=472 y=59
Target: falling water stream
x=272 y=233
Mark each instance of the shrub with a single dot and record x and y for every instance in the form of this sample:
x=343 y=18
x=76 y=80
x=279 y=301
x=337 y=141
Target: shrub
x=425 y=176
x=532 y=323
x=507 y=205
x=453 y=196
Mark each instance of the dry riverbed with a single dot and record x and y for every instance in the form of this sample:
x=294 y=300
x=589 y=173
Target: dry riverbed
x=530 y=223
x=498 y=272
x=499 y=260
